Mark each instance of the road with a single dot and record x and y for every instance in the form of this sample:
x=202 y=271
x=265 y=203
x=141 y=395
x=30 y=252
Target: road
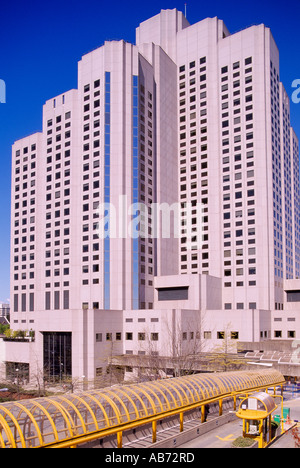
x=223 y=436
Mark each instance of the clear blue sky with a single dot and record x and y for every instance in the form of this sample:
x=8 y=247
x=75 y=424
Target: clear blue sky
x=42 y=41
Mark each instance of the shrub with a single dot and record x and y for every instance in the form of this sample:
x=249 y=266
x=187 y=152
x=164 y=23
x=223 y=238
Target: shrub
x=242 y=442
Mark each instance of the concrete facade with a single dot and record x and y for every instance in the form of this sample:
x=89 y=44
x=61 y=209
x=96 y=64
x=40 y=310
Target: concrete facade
x=194 y=121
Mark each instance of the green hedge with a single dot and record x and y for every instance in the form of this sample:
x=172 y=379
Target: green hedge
x=242 y=442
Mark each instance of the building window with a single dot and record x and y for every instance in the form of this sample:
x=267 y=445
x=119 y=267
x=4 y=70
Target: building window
x=57 y=349
x=47 y=301
x=173 y=294
x=23 y=302
x=293 y=296
x=207 y=335
x=66 y=300
x=31 y=302
x=56 y=300
x=16 y=303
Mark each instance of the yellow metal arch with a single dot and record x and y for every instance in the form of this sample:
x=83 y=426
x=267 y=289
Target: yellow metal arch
x=150 y=393
x=149 y=387
x=114 y=395
x=158 y=383
x=146 y=395
x=75 y=409
x=2 y=443
x=169 y=384
x=113 y=406
x=179 y=389
x=85 y=404
x=234 y=381
x=65 y=414
x=209 y=384
x=31 y=417
x=187 y=385
x=221 y=385
x=257 y=380
x=182 y=383
x=98 y=403
x=198 y=389
x=39 y=406
x=7 y=431
x=17 y=426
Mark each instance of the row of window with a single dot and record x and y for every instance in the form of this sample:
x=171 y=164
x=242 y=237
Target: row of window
x=92 y=188
x=239 y=305
x=57 y=301
x=58 y=131
x=276 y=166
x=234 y=158
x=193 y=171
x=24 y=221
x=145 y=112
x=23 y=302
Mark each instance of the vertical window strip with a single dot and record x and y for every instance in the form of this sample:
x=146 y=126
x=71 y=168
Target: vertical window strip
x=107 y=192
x=135 y=195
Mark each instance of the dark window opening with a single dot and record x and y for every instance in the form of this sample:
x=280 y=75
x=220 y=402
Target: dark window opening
x=57 y=355
x=173 y=294
x=293 y=296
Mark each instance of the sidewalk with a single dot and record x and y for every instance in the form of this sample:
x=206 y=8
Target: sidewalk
x=287 y=440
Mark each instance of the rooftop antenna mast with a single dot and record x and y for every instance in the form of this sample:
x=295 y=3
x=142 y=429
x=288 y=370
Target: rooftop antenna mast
x=185 y=9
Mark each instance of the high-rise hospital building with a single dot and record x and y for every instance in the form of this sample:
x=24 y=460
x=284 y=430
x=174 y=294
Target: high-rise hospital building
x=191 y=123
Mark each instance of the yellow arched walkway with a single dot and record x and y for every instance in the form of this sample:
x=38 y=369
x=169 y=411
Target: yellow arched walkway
x=68 y=420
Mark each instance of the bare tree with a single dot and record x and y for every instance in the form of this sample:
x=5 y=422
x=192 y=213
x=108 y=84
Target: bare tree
x=178 y=351
x=186 y=341
x=224 y=356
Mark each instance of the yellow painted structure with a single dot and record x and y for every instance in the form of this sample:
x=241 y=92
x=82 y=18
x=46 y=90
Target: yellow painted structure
x=70 y=420
x=256 y=412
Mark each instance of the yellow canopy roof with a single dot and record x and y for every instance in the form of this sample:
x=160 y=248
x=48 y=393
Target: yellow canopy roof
x=45 y=421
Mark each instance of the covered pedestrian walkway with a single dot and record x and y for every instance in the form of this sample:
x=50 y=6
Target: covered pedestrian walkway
x=71 y=420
